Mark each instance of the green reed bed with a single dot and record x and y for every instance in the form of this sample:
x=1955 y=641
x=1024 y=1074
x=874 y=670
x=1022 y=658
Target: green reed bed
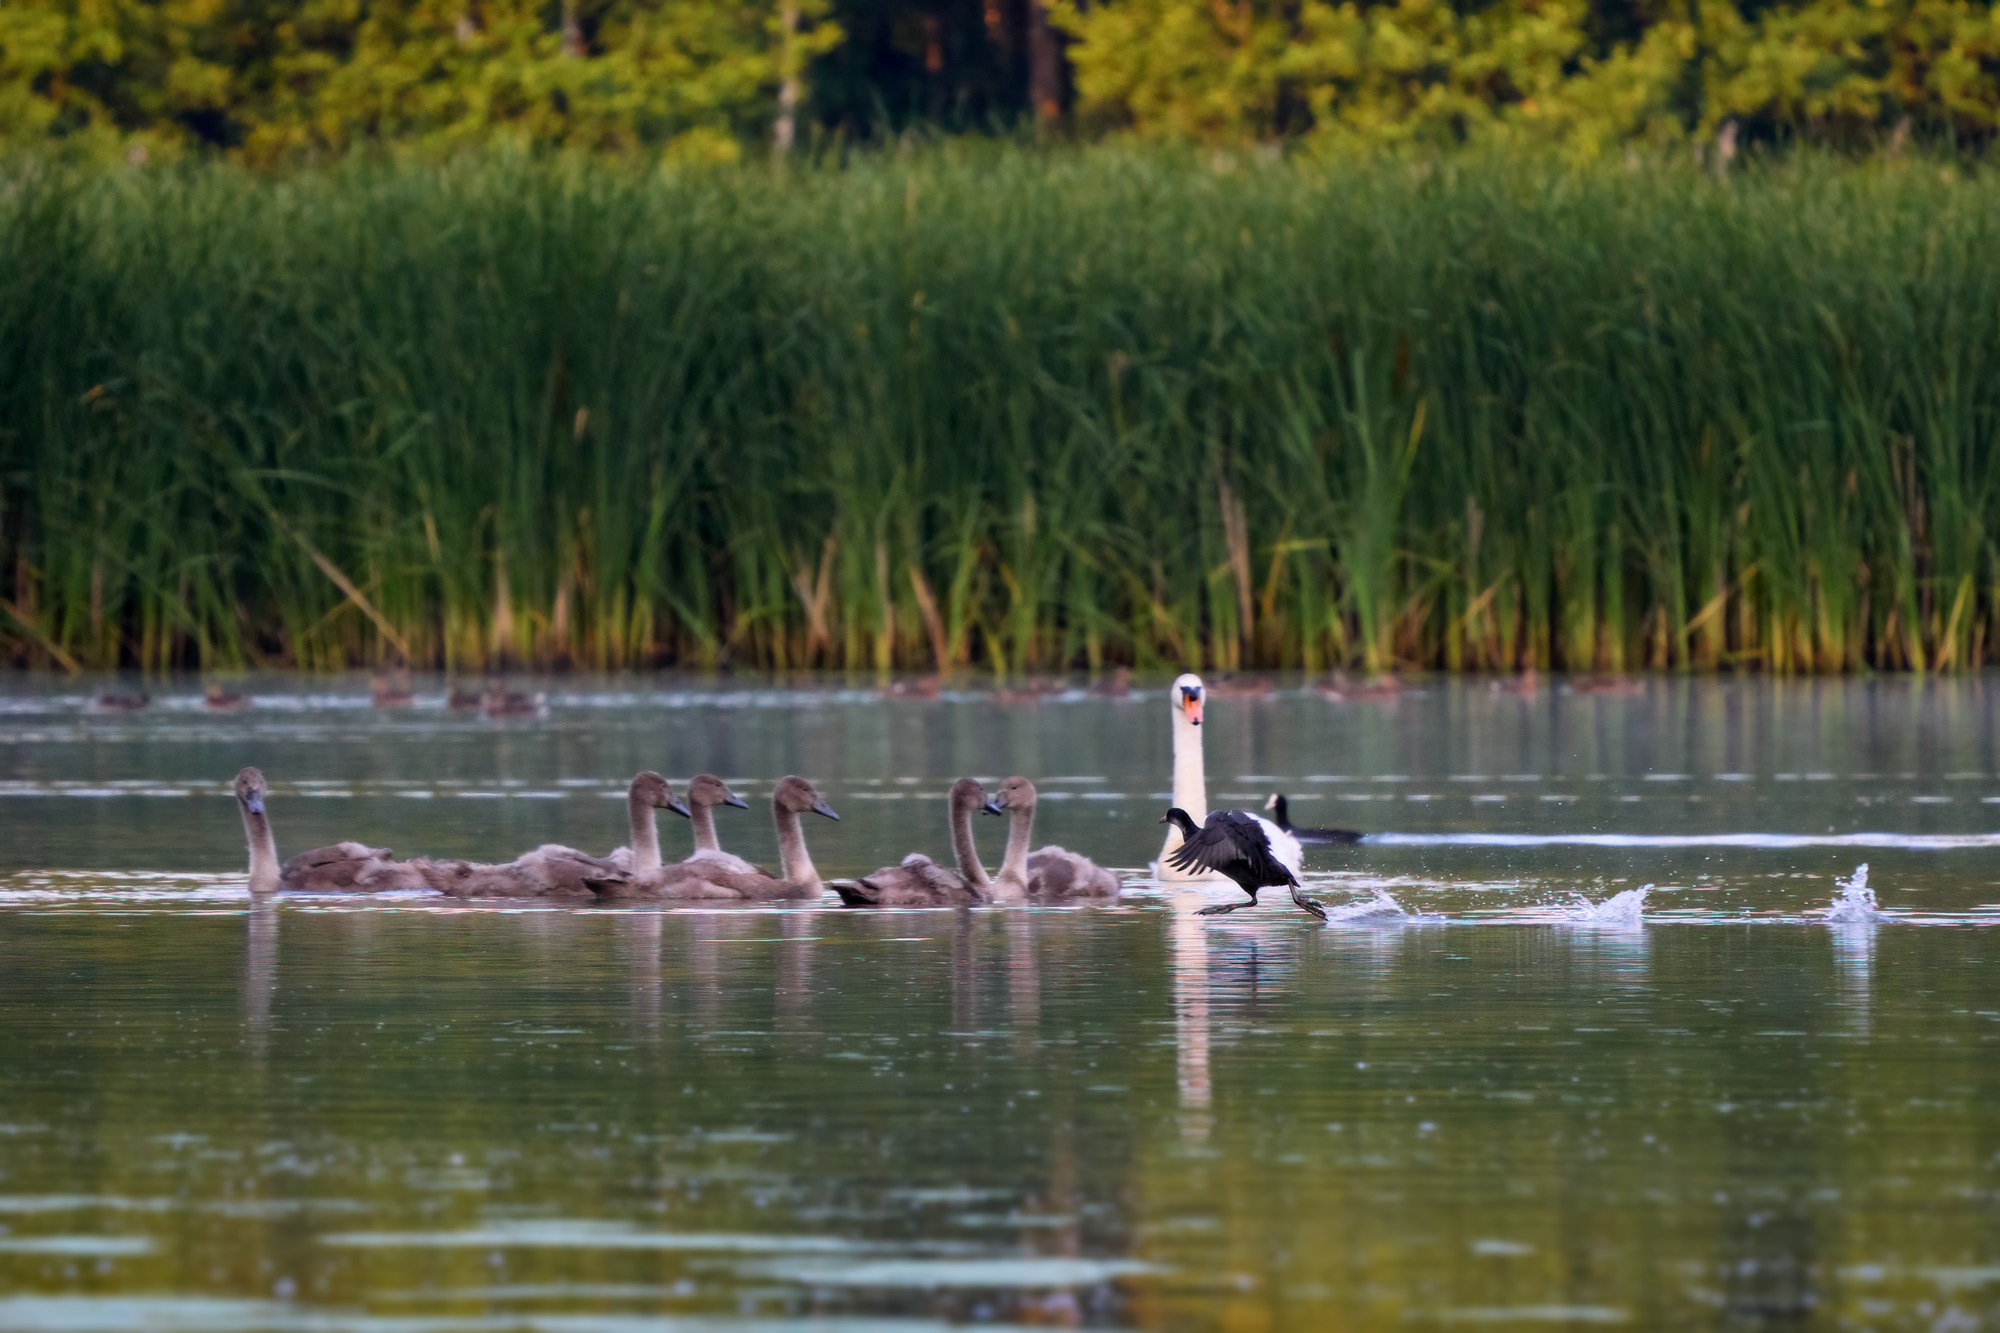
x=1002 y=408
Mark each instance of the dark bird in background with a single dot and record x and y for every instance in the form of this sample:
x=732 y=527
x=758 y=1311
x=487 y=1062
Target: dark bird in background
x=1281 y=816
x=393 y=691
x=1234 y=844
x=499 y=701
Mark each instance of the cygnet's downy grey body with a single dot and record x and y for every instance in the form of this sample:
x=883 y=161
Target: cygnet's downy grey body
x=555 y=872
x=1047 y=874
x=919 y=881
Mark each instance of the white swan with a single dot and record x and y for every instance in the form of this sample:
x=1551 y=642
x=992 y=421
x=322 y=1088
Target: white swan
x=1191 y=790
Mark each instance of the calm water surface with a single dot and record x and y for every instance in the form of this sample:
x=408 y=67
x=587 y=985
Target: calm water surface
x=1500 y=1087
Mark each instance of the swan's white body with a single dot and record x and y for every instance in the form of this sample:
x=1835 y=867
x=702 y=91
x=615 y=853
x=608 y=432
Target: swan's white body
x=1191 y=788
x=1291 y=855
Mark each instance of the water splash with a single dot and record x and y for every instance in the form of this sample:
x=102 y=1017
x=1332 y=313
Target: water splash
x=1621 y=911
x=1854 y=904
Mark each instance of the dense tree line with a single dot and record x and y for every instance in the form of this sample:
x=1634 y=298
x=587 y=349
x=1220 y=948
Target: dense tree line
x=270 y=80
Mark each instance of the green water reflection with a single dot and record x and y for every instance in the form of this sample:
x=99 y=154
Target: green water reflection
x=409 y=1118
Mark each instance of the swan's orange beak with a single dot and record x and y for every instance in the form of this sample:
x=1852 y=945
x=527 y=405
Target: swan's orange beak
x=1191 y=704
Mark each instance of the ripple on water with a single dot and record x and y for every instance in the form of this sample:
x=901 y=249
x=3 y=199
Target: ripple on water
x=579 y=1233
x=77 y=1247
x=984 y=1274
x=195 y=1314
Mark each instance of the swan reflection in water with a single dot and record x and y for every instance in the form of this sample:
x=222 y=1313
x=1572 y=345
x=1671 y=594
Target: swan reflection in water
x=1191 y=1017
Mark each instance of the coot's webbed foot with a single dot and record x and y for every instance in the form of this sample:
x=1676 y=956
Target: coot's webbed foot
x=1312 y=905
x=1226 y=907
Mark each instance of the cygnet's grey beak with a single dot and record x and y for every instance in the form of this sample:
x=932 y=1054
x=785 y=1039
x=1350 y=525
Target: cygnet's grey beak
x=822 y=808
x=992 y=807
x=737 y=801
x=679 y=808
x=254 y=803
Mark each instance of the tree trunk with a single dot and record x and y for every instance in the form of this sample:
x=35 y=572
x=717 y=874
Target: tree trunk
x=1044 y=65
x=786 y=128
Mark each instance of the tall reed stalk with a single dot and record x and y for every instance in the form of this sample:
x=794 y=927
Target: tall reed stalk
x=1022 y=409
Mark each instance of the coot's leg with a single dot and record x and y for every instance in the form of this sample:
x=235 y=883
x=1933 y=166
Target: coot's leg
x=1317 y=908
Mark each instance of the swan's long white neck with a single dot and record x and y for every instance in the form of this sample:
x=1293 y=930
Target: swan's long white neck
x=966 y=850
x=1190 y=792
x=263 y=852
x=702 y=816
x=793 y=863
x=645 y=833
x=1190 y=773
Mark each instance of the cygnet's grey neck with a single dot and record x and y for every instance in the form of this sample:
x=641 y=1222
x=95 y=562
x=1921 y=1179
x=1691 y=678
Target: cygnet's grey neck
x=1020 y=829
x=702 y=815
x=263 y=851
x=966 y=849
x=794 y=864
x=645 y=831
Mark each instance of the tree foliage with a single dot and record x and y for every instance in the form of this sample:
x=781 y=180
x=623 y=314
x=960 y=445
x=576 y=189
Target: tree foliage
x=274 y=80
x=270 y=79
x=1586 y=74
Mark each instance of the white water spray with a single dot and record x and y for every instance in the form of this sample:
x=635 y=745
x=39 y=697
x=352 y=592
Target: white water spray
x=1621 y=911
x=1854 y=904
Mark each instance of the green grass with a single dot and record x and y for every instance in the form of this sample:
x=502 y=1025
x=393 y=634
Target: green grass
x=1005 y=408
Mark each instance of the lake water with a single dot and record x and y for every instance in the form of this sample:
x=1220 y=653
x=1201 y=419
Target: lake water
x=1491 y=1091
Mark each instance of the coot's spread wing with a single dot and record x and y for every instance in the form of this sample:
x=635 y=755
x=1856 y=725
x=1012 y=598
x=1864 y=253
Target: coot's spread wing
x=1207 y=848
x=1234 y=844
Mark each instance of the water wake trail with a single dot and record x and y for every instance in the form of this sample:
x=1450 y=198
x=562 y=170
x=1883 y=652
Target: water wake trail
x=1380 y=910
x=1621 y=911
x=1935 y=842
x=1854 y=904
